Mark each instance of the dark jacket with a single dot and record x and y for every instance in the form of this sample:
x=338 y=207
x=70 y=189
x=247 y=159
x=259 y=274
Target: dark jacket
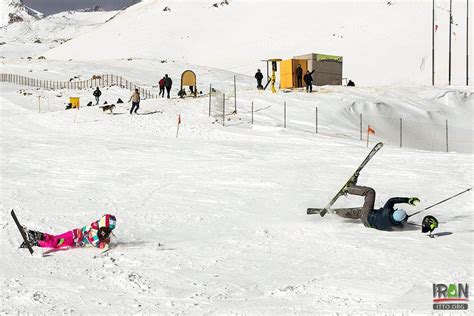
x=161 y=82
x=308 y=79
x=97 y=93
x=259 y=76
x=168 y=82
x=382 y=218
x=299 y=72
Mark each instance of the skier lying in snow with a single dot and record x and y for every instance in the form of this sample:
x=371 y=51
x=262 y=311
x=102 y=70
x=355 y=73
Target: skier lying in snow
x=385 y=218
x=96 y=234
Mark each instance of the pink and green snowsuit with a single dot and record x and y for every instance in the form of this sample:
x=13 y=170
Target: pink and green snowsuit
x=80 y=237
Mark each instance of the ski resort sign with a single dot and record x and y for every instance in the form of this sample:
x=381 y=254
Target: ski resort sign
x=450 y=296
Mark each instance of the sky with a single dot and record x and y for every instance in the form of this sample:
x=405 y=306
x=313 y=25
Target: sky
x=54 y=6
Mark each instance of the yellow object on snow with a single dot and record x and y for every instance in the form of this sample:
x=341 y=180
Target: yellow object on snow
x=74 y=102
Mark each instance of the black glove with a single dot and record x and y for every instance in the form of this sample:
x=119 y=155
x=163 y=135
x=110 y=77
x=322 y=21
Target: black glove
x=104 y=233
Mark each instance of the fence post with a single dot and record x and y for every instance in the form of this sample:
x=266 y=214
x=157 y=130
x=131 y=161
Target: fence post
x=252 y=112
x=39 y=104
x=223 y=109
x=235 y=96
x=316 y=120
x=447 y=139
x=360 y=126
x=284 y=114
x=210 y=94
x=401 y=132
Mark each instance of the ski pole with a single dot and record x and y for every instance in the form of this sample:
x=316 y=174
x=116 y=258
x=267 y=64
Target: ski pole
x=449 y=198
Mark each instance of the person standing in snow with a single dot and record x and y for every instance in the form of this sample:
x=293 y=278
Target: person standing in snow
x=259 y=77
x=308 y=79
x=385 y=218
x=168 y=84
x=97 y=234
x=135 y=98
x=299 y=77
x=97 y=93
x=161 y=83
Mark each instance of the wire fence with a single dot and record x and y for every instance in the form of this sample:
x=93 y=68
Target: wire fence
x=435 y=134
x=106 y=80
x=430 y=133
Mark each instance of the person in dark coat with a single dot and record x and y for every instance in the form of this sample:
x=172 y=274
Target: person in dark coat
x=351 y=83
x=385 y=218
x=299 y=77
x=259 y=78
x=161 y=83
x=97 y=93
x=168 y=84
x=308 y=79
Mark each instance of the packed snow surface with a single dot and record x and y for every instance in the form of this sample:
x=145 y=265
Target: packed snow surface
x=214 y=220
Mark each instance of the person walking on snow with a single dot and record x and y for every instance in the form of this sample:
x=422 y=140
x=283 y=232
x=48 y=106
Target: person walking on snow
x=135 y=98
x=97 y=93
x=97 y=234
x=308 y=79
x=385 y=218
x=259 y=77
x=168 y=84
x=299 y=77
x=161 y=83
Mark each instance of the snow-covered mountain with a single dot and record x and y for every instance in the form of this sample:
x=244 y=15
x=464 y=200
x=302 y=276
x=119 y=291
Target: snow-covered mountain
x=33 y=34
x=13 y=11
x=381 y=43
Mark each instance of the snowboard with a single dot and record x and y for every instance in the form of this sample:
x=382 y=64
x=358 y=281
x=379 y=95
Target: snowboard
x=352 y=179
x=22 y=232
x=310 y=211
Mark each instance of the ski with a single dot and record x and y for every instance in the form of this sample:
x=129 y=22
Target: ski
x=22 y=232
x=311 y=211
x=352 y=179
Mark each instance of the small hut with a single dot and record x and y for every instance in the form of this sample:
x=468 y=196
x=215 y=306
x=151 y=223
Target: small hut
x=327 y=70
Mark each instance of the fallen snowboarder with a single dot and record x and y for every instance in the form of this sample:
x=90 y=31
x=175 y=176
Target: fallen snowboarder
x=97 y=234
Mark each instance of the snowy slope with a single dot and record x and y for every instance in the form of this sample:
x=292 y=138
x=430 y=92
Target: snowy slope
x=214 y=222
x=381 y=44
